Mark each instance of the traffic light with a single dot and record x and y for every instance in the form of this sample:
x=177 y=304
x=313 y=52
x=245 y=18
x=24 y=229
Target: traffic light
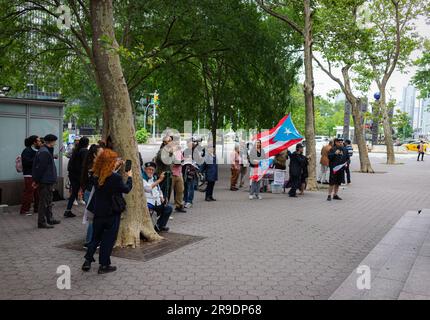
x=156 y=98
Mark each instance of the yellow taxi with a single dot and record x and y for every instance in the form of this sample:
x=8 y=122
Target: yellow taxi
x=413 y=146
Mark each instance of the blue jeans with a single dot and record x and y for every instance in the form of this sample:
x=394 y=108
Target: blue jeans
x=255 y=188
x=189 y=191
x=89 y=236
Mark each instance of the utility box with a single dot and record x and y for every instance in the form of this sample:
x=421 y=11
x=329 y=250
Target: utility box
x=21 y=118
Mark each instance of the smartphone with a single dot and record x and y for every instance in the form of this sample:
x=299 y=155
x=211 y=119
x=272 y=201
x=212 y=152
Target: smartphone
x=127 y=165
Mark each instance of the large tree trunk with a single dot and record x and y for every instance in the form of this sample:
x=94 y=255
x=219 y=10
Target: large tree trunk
x=387 y=128
x=346 y=119
x=309 y=98
x=118 y=109
x=365 y=165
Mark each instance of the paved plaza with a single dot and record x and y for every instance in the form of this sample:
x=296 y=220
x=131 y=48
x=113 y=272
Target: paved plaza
x=276 y=248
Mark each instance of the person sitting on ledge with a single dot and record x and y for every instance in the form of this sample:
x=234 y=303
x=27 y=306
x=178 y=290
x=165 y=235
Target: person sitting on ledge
x=154 y=196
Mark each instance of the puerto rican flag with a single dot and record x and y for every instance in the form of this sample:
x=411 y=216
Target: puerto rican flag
x=274 y=141
x=339 y=167
x=279 y=138
x=258 y=172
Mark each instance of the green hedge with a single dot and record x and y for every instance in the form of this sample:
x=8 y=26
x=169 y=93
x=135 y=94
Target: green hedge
x=142 y=135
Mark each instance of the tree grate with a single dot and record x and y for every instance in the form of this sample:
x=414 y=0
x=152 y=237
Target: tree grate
x=148 y=250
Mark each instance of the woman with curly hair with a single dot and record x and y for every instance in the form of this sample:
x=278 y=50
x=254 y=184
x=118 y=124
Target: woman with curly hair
x=108 y=184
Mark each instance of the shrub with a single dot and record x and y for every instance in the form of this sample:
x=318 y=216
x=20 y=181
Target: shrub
x=142 y=135
x=65 y=136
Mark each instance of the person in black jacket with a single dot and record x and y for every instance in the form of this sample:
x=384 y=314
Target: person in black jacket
x=75 y=166
x=338 y=159
x=304 y=176
x=32 y=145
x=87 y=184
x=108 y=184
x=210 y=169
x=297 y=169
x=44 y=174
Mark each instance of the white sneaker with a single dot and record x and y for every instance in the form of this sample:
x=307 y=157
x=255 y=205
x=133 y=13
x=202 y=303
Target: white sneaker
x=82 y=202
x=75 y=203
x=259 y=197
x=251 y=197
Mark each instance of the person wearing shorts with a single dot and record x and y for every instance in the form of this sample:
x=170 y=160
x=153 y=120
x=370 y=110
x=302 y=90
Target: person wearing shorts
x=338 y=158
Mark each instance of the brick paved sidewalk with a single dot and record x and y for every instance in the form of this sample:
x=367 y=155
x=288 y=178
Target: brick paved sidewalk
x=276 y=248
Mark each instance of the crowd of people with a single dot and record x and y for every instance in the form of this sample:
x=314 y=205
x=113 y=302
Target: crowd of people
x=95 y=181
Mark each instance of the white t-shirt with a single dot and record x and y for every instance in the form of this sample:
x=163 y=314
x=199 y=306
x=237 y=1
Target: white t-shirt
x=153 y=195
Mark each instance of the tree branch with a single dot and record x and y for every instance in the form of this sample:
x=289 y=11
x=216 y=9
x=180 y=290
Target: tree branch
x=282 y=17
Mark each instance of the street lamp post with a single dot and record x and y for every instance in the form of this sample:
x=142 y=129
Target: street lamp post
x=377 y=96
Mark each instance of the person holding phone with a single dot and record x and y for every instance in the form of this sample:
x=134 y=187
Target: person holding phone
x=154 y=196
x=108 y=183
x=177 y=178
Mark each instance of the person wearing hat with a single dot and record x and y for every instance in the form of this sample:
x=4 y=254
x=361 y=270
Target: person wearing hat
x=44 y=173
x=338 y=159
x=297 y=168
x=154 y=196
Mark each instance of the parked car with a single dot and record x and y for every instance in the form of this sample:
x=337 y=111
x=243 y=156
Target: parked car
x=413 y=146
x=321 y=139
x=404 y=142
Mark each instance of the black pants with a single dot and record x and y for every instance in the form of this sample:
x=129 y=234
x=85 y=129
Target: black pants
x=105 y=231
x=74 y=186
x=166 y=186
x=348 y=174
x=163 y=212
x=295 y=184
x=422 y=156
x=45 y=202
x=210 y=189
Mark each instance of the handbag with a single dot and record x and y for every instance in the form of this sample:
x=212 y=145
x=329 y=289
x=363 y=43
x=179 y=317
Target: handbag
x=118 y=203
x=89 y=208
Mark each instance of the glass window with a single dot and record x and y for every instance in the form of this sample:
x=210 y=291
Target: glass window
x=13 y=108
x=12 y=135
x=45 y=111
x=42 y=127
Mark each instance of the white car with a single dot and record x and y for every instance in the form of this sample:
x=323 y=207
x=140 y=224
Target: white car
x=321 y=139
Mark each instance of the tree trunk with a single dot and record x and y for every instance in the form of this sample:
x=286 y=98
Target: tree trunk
x=387 y=128
x=346 y=119
x=97 y=126
x=105 y=129
x=118 y=112
x=365 y=165
x=309 y=98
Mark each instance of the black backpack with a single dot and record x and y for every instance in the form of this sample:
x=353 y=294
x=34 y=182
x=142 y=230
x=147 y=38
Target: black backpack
x=190 y=172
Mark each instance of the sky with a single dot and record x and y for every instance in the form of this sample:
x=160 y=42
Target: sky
x=323 y=84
